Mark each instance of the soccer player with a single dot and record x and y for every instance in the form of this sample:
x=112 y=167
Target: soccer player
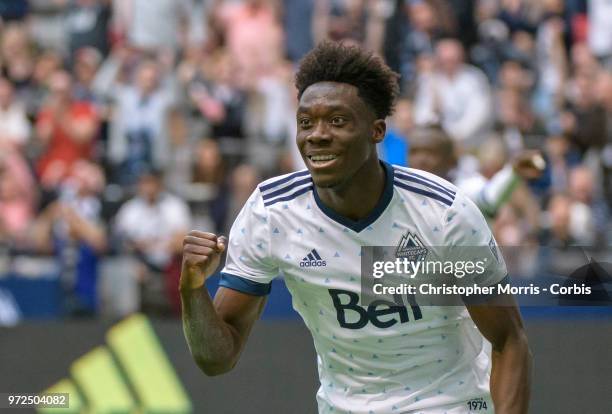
x=432 y=150
x=309 y=226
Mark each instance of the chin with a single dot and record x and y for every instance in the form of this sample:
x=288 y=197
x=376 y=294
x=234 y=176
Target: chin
x=325 y=182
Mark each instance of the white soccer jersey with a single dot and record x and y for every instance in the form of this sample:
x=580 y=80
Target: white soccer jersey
x=428 y=359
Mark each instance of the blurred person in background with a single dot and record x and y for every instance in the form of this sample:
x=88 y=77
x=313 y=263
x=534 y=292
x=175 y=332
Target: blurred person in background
x=15 y=128
x=432 y=150
x=355 y=21
x=562 y=158
x=456 y=95
x=557 y=231
x=270 y=111
x=551 y=61
x=34 y=93
x=151 y=226
x=243 y=181
x=72 y=230
x=583 y=119
x=87 y=23
x=252 y=34
x=16 y=52
x=209 y=171
x=138 y=137
x=18 y=197
x=582 y=61
x=600 y=29
x=218 y=97
x=87 y=61
x=418 y=25
x=589 y=212
x=66 y=130
x=152 y=25
x=516 y=122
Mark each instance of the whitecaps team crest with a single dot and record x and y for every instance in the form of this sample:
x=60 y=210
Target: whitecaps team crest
x=411 y=247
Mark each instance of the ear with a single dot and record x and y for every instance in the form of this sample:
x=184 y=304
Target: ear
x=379 y=128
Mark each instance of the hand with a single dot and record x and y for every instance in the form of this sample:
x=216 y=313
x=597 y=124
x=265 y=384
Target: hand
x=201 y=254
x=529 y=164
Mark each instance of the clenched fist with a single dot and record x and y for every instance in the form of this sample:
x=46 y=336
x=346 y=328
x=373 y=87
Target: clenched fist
x=201 y=254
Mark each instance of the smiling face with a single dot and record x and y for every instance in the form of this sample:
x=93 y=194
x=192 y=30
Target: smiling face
x=337 y=133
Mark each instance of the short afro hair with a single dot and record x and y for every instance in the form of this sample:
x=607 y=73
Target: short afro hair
x=336 y=62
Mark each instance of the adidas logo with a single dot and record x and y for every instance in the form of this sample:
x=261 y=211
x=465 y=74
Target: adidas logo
x=313 y=259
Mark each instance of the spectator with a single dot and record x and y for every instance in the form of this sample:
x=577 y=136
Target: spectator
x=215 y=93
x=152 y=226
x=517 y=123
x=557 y=232
x=138 y=128
x=151 y=25
x=71 y=229
x=552 y=66
x=561 y=159
x=254 y=56
x=15 y=128
x=87 y=25
x=18 y=198
x=600 y=29
x=589 y=213
x=86 y=64
x=456 y=95
x=244 y=180
x=16 y=54
x=209 y=171
x=66 y=129
x=418 y=26
x=584 y=118
x=34 y=93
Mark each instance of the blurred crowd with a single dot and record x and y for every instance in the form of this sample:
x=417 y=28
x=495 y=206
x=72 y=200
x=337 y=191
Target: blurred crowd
x=125 y=123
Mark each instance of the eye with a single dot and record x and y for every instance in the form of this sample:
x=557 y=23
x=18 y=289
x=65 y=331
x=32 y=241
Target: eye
x=338 y=121
x=304 y=123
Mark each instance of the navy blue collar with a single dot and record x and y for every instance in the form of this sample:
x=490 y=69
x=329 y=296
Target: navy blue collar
x=361 y=224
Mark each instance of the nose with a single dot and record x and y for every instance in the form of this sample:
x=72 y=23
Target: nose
x=319 y=134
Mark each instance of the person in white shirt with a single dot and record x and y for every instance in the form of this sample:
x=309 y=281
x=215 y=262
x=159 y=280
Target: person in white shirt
x=154 y=222
x=15 y=128
x=455 y=95
x=310 y=227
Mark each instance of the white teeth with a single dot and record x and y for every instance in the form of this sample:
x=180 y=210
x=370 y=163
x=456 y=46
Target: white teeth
x=322 y=157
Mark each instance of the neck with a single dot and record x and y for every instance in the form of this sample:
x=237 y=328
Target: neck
x=357 y=198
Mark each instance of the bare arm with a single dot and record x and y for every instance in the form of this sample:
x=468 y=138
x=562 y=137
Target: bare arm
x=216 y=331
x=500 y=322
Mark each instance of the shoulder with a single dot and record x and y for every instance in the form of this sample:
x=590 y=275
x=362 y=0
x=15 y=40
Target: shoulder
x=471 y=73
x=284 y=188
x=83 y=108
x=173 y=203
x=415 y=182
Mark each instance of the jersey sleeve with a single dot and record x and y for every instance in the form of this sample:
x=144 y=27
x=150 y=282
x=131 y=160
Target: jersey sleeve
x=469 y=239
x=250 y=267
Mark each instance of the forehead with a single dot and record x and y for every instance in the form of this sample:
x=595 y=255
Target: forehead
x=426 y=141
x=331 y=94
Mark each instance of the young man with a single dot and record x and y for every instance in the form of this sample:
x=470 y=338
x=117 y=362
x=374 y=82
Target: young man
x=310 y=226
x=432 y=150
